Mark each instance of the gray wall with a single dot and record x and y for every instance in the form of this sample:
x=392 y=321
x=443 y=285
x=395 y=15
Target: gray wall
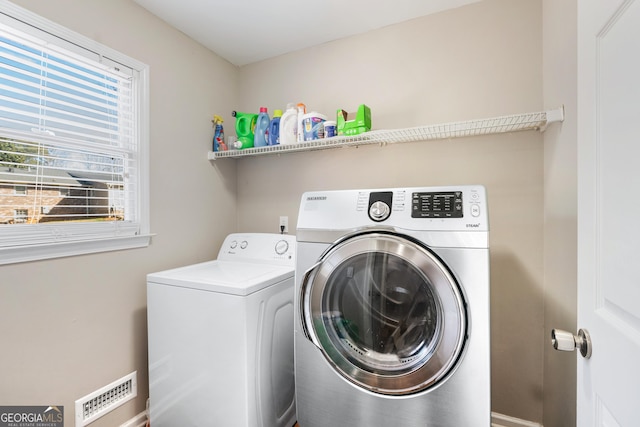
x=476 y=61
x=70 y=326
x=560 y=200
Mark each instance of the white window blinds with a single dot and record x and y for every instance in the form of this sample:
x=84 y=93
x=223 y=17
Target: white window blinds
x=71 y=135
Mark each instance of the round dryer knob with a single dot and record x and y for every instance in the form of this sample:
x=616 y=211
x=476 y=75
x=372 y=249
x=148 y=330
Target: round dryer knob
x=282 y=247
x=379 y=211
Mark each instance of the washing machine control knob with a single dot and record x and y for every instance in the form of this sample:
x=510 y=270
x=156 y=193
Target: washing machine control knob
x=379 y=211
x=282 y=247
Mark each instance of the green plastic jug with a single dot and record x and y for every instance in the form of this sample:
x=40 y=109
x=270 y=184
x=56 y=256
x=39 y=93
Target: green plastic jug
x=245 y=125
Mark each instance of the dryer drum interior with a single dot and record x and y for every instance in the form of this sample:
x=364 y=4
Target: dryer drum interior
x=386 y=313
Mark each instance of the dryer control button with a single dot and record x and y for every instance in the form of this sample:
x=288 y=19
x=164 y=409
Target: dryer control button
x=234 y=244
x=475 y=210
x=282 y=247
x=244 y=244
x=379 y=211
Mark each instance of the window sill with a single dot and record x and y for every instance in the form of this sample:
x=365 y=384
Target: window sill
x=28 y=253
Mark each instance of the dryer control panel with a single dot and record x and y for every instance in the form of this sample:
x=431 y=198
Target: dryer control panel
x=442 y=208
x=437 y=205
x=425 y=204
x=428 y=204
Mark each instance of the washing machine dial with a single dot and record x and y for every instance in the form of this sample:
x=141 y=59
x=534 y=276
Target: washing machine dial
x=282 y=247
x=379 y=211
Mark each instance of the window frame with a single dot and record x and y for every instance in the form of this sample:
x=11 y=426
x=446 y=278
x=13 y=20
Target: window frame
x=20 y=215
x=85 y=238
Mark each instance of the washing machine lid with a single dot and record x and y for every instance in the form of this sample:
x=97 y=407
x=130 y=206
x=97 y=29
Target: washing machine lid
x=235 y=278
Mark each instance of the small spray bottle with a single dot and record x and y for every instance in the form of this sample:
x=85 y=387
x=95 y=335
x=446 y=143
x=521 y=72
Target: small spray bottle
x=218 y=136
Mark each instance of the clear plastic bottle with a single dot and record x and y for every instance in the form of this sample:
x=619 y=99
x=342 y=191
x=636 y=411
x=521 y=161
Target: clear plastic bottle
x=262 y=128
x=289 y=125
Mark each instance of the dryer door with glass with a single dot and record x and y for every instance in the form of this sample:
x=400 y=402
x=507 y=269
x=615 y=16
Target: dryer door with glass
x=386 y=312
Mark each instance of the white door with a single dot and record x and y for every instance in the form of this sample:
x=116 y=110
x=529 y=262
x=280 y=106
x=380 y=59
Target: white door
x=609 y=211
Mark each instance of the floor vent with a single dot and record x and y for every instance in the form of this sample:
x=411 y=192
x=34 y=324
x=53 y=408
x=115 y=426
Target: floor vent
x=94 y=405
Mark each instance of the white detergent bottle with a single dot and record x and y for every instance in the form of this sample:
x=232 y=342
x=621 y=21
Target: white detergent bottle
x=289 y=125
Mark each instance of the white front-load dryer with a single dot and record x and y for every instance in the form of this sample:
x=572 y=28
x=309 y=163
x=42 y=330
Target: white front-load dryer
x=392 y=308
x=220 y=337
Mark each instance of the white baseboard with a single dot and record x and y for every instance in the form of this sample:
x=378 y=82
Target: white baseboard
x=139 y=420
x=499 y=420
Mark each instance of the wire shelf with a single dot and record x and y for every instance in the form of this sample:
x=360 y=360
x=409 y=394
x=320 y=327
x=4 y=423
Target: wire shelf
x=503 y=124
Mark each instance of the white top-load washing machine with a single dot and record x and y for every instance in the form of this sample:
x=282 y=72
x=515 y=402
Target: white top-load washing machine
x=221 y=337
x=392 y=308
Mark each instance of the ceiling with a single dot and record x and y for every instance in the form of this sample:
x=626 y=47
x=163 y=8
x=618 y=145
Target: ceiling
x=247 y=31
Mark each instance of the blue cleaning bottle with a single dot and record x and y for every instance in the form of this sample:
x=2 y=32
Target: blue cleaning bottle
x=274 y=128
x=262 y=128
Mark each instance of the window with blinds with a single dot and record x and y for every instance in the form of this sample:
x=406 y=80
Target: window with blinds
x=72 y=142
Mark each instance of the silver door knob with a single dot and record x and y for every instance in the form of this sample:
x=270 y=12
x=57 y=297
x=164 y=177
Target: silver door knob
x=566 y=341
